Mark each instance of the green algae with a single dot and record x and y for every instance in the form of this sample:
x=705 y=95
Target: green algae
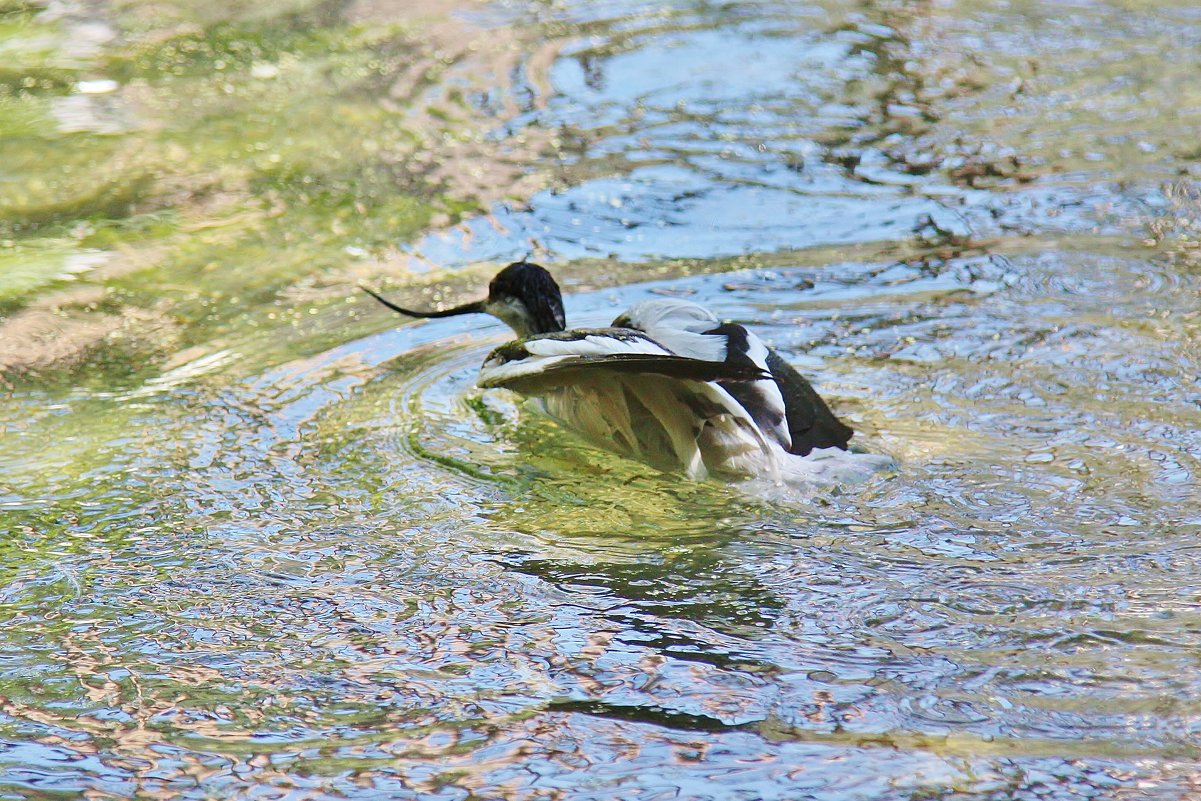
x=218 y=159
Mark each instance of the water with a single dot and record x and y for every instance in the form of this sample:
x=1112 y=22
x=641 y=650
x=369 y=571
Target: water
x=261 y=544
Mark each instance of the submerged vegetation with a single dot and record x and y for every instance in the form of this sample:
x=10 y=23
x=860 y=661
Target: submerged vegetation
x=170 y=167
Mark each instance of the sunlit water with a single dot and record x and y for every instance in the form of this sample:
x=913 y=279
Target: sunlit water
x=353 y=575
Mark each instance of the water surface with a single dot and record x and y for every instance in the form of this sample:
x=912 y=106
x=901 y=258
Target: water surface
x=284 y=549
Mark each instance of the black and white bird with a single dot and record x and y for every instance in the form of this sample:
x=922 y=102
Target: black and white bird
x=667 y=383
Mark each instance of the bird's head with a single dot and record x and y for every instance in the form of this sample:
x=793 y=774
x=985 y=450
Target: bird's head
x=522 y=295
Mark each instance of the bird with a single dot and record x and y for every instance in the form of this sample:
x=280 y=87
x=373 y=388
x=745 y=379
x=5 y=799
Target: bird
x=667 y=383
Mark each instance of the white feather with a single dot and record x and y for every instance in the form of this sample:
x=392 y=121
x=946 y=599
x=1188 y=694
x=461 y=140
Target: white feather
x=593 y=345
x=682 y=431
x=550 y=352
x=668 y=422
x=511 y=312
x=756 y=351
x=679 y=325
x=683 y=315
x=772 y=412
x=498 y=373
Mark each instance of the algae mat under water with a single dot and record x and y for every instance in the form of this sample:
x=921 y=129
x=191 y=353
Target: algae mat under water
x=171 y=170
x=257 y=543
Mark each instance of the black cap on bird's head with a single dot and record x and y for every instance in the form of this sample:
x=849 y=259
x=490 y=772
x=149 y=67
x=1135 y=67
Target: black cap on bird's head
x=523 y=295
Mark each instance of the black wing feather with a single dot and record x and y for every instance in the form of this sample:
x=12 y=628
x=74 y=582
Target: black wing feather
x=636 y=363
x=672 y=366
x=810 y=421
x=683 y=367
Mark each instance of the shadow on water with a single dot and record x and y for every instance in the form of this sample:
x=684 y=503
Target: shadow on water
x=300 y=554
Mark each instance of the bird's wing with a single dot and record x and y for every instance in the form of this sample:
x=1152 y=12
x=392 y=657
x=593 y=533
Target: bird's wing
x=811 y=424
x=683 y=327
x=624 y=390
x=785 y=407
x=551 y=359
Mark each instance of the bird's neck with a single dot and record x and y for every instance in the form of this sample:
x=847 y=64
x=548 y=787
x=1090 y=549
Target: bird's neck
x=524 y=322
